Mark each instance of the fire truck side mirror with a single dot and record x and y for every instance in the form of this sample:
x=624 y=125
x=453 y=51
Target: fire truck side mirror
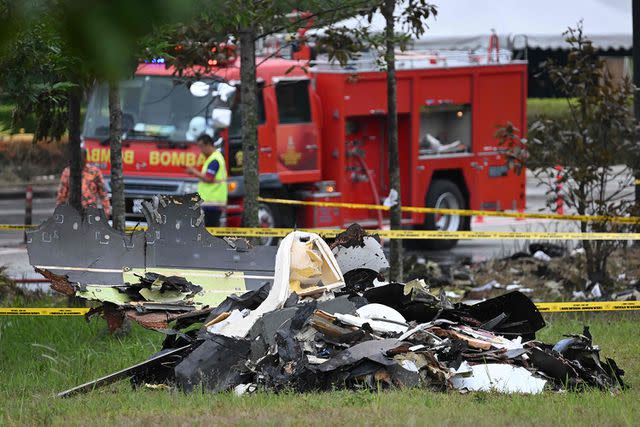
x=199 y=89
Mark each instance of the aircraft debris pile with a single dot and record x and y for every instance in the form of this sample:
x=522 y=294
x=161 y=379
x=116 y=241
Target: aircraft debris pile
x=326 y=342
x=317 y=316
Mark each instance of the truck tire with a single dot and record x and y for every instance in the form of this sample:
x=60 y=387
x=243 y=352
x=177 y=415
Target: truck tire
x=267 y=219
x=274 y=216
x=444 y=194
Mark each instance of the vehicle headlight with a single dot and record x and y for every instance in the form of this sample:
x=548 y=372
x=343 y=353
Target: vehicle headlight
x=190 y=187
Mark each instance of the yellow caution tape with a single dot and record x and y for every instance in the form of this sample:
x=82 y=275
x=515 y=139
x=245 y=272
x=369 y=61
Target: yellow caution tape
x=48 y=311
x=414 y=209
x=16 y=227
x=544 y=307
x=559 y=307
x=430 y=234
x=415 y=234
x=462 y=212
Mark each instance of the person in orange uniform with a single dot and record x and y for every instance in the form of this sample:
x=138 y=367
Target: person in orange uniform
x=93 y=188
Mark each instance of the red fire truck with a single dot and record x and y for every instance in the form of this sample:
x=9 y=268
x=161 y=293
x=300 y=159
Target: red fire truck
x=322 y=137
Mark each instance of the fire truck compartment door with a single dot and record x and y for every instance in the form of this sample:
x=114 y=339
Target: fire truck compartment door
x=366 y=171
x=497 y=187
x=498 y=99
x=297 y=136
x=298 y=148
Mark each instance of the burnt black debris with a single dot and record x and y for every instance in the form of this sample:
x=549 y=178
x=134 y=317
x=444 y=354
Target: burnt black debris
x=353 y=236
x=551 y=249
x=323 y=345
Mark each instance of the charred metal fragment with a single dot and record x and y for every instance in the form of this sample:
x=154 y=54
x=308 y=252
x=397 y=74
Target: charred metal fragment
x=124 y=373
x=359 y=279
x=373 y=350
x=262 y=334
x=393 y=295
x=513 y=313
x=114 y=317
x=353 y=236
x=171 y=283
x=360 y=257
x=553 y=366
x=58 y=283
x=213 y=364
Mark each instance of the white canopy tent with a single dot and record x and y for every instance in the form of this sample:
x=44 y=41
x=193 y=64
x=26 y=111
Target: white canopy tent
x=467 y=24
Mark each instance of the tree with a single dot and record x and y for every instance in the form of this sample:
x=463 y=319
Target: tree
x=67 y=46
x=410 y=16
x=249 y=88
x=52 y=89
x=248 y=21
x=598 y=134
x=115 y=140
x=392 y=137
x=109 y=55
x=202 y=44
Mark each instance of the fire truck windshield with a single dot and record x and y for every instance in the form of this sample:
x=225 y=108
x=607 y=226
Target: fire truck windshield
x=153 y=107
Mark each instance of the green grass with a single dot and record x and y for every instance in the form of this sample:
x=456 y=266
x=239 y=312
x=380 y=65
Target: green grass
x=6 y=111
x=41 y=356
x=548 y=107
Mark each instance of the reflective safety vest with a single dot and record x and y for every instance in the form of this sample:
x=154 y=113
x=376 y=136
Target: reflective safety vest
x=214 y=193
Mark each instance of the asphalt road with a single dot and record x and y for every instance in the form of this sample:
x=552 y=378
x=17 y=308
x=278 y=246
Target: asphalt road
x=13 y=254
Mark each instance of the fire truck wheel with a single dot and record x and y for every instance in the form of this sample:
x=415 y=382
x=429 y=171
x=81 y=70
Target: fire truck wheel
x=272 y=216
x=267 y=219
x=444 y=194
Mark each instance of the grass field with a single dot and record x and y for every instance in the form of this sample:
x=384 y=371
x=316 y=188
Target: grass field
x=547 y=107
x=41 y=356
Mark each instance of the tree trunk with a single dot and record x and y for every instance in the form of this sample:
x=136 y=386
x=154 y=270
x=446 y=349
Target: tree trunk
x=75 y=159
x=75 y=164
x=636 y=81
x=395 y=273
x=248 y=106
x=115 y=139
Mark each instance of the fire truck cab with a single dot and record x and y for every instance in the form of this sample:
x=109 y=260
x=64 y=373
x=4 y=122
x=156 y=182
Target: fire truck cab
x=322 y=137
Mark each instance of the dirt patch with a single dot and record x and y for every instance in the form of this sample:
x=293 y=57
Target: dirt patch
x=543 y=278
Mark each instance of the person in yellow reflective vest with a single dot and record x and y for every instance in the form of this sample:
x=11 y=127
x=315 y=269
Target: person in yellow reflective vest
x=213 y=179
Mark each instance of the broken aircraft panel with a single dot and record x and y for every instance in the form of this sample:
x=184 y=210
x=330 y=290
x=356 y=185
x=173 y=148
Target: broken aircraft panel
x=84 y=248
x=92 y=254
x=360 y=257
